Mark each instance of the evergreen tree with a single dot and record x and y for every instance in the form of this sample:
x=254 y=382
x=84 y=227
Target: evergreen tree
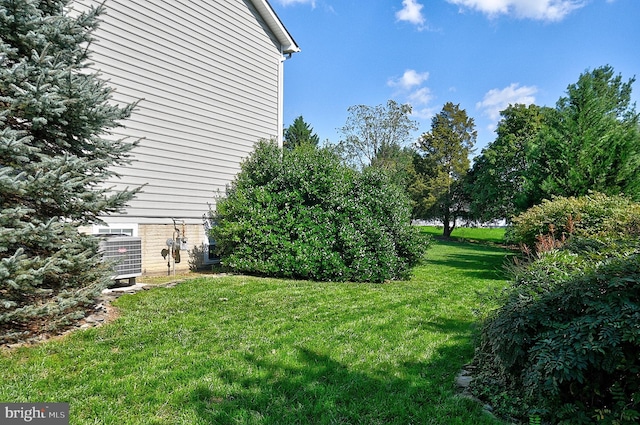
x=55 y=155
x=442 y=163
x=299 y=133
x=590 y=141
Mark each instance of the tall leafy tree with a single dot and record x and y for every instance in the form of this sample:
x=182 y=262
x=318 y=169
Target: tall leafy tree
x=499 y=183
x=375 y=134
x=55 y=155
x=397 y=163
x=299 y=133
x=442 y=162
x=591 y=141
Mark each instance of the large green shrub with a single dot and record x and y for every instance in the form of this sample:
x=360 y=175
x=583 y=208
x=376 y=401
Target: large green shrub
x=565 y=344
x=591 y=215
x=303 y=214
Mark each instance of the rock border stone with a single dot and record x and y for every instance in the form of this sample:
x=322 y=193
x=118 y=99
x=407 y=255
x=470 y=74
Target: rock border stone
x=463 y=381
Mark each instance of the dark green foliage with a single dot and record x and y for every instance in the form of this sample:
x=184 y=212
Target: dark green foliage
x=54 y=157
x=591 y=215
x=306 y=215
x=499 y=184
x=299 y=133
x=565 y=343
x=441 y=164
x=397 y=162
x=590 y=141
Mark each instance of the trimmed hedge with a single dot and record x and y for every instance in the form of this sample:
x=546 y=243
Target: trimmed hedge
x=303 y=214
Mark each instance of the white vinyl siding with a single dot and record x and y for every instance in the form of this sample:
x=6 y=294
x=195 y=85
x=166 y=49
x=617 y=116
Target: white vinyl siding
x=206 y=75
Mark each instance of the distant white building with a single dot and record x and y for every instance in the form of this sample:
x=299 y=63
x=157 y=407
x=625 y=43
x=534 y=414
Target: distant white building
x=210 y=76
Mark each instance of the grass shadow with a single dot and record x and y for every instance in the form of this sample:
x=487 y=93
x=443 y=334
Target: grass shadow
x=317 y=389
x=240 y=350
x=476 y=261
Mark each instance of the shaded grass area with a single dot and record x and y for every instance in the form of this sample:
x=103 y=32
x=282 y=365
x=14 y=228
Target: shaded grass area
x=244 y=350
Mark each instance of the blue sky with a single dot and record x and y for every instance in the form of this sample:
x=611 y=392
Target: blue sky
x=482 y=54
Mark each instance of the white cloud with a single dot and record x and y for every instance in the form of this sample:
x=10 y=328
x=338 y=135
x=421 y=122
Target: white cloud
x=543 y=10
x=497 y=100
x=409 y=79
x=411 y=12
x=423 y=113
x=422 y=96
x=410 y=87
x=292 y=2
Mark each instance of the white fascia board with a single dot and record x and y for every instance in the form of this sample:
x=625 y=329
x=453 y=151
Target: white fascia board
x=289 y=45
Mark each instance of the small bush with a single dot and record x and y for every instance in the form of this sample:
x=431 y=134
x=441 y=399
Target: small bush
x=564 y=345
x=302 y=214
x=591 y=215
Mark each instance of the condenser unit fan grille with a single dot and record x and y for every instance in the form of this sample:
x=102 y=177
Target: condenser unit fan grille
x=125 y=253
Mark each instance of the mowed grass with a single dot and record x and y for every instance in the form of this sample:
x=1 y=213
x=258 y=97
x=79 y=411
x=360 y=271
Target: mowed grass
x=479 y=234
x=245 y=350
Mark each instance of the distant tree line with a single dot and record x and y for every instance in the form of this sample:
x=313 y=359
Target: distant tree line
x=589 y=142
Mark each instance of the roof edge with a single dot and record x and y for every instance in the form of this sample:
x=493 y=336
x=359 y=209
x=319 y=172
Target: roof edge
x=274 y=23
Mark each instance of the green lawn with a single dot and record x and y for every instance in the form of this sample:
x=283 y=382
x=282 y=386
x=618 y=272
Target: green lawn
x=480 y=234
x=244 y=350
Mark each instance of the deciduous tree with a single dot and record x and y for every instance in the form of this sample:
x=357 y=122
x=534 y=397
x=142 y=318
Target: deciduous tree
x=375 y=134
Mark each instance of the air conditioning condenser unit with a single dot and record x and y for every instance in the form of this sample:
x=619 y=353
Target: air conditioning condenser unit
x=125 y=254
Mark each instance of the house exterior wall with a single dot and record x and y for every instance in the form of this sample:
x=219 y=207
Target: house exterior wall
x=207 y=75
